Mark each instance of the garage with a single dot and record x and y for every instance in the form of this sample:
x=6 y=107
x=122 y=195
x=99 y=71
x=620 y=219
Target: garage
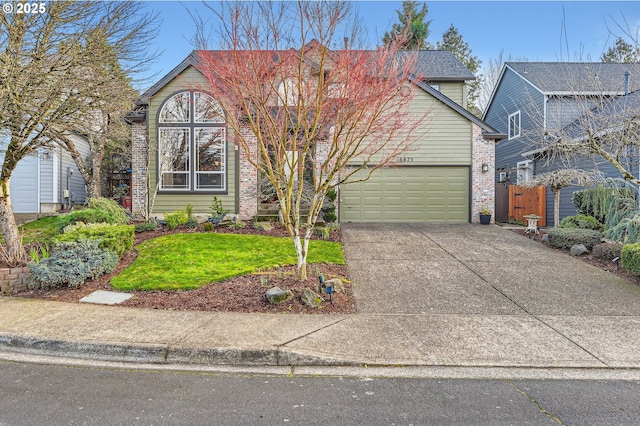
x=408 y=194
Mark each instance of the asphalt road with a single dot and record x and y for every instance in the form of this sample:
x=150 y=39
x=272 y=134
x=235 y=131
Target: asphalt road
x=32 y=394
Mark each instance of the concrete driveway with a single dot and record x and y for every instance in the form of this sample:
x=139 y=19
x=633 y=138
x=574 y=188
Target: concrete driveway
x=475 y=270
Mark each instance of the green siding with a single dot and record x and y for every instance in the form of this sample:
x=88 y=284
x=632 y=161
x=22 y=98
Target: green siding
x=443 y=137
x=168 y=202
x=408 y=194
x=454 y=91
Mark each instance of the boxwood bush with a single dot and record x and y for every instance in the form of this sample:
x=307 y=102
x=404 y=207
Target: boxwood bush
x=630 y=258
x=71 y=263
x=567 y=237
x=116 y=238
x=581 y=221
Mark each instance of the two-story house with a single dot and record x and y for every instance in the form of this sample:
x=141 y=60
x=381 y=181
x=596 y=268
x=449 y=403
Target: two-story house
x=534 y=102
x=444 y=178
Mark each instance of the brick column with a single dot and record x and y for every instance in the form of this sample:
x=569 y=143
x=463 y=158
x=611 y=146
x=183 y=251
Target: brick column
x=482 y=183
x=248 y=177
x=139 y=164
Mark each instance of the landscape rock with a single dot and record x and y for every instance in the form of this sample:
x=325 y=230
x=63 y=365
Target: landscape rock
x=578 y=250
x=545 y=238
x=276 y=295
x=311 y=299
x=336 y=284
x=263 y=226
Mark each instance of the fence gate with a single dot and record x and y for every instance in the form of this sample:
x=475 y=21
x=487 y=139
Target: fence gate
x=525 y=201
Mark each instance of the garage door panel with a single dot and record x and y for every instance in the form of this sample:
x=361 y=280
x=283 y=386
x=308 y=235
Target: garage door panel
x=414 y=194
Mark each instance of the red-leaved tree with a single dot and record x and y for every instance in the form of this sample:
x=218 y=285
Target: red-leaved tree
x=322 y=108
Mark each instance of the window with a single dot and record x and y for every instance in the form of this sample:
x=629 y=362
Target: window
x=514 y=125
x=192 y=143
x=525 y=171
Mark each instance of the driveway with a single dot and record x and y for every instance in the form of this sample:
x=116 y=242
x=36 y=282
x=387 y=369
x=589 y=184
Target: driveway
x=475 y=270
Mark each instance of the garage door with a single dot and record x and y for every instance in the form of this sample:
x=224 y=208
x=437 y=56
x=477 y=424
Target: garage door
x=408 y=194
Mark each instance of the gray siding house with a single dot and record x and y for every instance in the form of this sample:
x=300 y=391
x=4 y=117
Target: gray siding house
x=534 y=101
x=46 y=180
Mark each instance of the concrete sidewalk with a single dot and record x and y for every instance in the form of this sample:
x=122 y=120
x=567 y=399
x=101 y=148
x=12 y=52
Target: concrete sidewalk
x=427 y=295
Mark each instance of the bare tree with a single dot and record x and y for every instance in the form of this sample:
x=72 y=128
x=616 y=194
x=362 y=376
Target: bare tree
x=53 y=79
x=562 y=178
x=312 y=109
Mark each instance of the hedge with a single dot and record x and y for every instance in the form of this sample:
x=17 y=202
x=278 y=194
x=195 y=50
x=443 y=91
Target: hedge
x=630 y=258
x=567 y=237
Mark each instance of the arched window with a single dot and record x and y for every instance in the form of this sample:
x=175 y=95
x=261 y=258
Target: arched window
x=192 y=144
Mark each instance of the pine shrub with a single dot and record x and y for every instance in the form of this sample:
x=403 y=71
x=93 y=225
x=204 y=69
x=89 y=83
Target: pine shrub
x=581 y=221
x=70 y=264
x=116 y=238
x=567 y=237
x=110 y=206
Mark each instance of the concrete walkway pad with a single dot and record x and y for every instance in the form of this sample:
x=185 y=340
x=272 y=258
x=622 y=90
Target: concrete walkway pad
x=102 y=297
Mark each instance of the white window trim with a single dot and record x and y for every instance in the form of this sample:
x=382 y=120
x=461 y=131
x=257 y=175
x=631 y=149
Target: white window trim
x=191 y=127
x=514 y=135
x=524 y=171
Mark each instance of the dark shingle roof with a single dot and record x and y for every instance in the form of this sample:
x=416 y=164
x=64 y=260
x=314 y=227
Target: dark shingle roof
x=578 y=77
x=440 y=65
x=610 y=116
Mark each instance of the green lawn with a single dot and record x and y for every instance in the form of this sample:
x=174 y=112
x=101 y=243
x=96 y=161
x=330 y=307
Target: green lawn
x=38 y=231
x=189 y=261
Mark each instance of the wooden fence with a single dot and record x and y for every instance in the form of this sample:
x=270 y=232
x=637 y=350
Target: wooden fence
x=525 y=201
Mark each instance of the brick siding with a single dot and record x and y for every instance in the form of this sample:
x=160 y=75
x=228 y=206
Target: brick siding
x=482 y=183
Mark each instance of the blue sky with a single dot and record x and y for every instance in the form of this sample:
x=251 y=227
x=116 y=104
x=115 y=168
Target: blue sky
x=523 y=29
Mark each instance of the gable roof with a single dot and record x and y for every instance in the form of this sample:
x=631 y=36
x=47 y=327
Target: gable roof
x=431 y=65
x=564 y=78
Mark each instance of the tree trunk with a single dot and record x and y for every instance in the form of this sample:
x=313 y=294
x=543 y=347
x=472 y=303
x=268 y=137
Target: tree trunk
x=556 y=207
x=93 y=186
x=15 y=254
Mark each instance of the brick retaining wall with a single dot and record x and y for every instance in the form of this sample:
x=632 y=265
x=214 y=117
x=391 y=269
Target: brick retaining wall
x=14 y=280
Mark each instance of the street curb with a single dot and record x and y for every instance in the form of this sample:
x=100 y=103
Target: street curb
x=90 y=350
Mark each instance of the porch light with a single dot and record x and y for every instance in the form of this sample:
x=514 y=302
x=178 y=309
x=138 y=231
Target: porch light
x=485 y=167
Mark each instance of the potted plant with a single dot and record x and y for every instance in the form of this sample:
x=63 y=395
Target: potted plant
x=485 y=215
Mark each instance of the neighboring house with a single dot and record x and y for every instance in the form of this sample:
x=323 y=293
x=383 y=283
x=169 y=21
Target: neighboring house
x=444 y=179
x=46 y=181
x=534 y=101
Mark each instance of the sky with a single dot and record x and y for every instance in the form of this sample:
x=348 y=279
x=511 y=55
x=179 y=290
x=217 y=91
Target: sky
x=535 y=31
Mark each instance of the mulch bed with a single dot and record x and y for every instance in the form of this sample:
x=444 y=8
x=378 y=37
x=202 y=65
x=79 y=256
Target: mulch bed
x=605 y=265
x=239 y=294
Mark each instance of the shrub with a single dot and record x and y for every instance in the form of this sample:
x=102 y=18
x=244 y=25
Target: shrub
x=625 y=231
x=607 y=251
x=108 y=205
x=567 y=237
x=192 y=223
x=116 y=238
x=630 y=258
x=581 y=221
x=208 y=226
x=87 y=216
x=145 y=226
x=175 y=219
x=72 y=263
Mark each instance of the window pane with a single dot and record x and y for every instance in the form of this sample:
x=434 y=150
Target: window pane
x=210 y=180
x=210 y=149
x=176 y=109
x=175 y=180
x=174 y=157
x=207 y=110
